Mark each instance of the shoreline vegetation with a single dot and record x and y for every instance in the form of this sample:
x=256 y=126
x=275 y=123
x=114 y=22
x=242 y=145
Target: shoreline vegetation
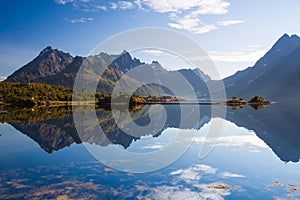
x=32 y=95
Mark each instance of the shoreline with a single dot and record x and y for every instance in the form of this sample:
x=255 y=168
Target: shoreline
x=72 y=103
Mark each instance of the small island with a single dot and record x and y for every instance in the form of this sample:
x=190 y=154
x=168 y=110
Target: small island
x=256 y=102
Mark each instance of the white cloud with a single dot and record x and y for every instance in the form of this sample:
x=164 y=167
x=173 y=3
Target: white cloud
x=237 y=56
x=174 y=192
x=74 y=2
x=122 y=5
x=179 y=171
x=234 y=141
x=155 y=146
x=125 y=5
x=193 y=173
x=79 y=20
x=230 y=22
x=102 y=8
x=153 y=51
x=231 y=175
x=192 y=176
x=84 y=5
x=196 y=6
x=187 y=185
x=183 y=14
x=205 y=168
x=139 y=4
x=114 y=6
x=191 y=23
x=213 y=7
x=205 y=28
x=63 y=2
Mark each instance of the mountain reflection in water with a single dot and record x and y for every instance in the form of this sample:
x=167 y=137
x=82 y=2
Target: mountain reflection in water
x=53 y=128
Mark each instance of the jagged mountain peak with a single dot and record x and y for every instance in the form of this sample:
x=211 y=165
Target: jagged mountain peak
x=285 y=45
x=56 y=67
x=48 y=49
x=275 y=76
x=198 y=72
x=48 y=62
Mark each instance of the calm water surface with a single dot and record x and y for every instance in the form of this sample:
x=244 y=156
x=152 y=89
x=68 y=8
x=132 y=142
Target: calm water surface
x=256 y=157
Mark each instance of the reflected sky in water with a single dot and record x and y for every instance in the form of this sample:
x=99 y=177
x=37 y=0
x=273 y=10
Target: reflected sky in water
x=251 y=160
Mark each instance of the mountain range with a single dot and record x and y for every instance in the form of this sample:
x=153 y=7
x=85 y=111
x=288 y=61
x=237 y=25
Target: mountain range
x=275 y=76
x=55 y=67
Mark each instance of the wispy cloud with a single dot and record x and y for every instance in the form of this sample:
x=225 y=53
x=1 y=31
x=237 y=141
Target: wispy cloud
x=173 y=192
x=122 y=5
x=186 y=15
x=139 y=4
x=192 y=176
x=63 y=2
x=191 y=23
x=155 y=146
x=79 y=20
x=84 y=5
x=235 y=141
x=237 y=56
x=183 y=15
x=102 y=8
x=231 y=175
x=197 y=7
x=153 y=52
x=193 y=173
x=230 y=22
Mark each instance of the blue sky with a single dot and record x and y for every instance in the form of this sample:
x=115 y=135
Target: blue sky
x=234 y=33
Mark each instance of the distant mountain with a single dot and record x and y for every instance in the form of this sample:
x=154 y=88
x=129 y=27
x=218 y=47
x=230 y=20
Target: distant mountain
x=198 y=80
x=275 y=76
x=55 y=67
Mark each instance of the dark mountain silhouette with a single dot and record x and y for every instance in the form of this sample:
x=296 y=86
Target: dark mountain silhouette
x=276 y=76
x=277 y=125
